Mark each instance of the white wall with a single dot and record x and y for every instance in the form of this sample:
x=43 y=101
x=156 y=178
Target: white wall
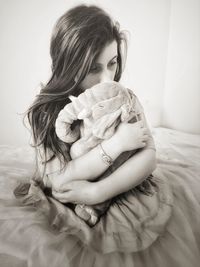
x=26 y=27
x=181 y=106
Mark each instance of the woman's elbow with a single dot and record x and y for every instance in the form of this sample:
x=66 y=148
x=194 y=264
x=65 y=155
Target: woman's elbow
x=154 y=165
x=153 y=161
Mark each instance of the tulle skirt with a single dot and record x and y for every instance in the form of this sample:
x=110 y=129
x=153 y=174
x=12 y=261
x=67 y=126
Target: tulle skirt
x=161 y=229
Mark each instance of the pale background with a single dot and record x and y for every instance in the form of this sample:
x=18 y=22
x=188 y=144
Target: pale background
x=163 y=65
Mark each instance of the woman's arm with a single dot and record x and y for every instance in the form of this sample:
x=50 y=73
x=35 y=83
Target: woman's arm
x=87 y=167
x=128 y=136
x=129 y=175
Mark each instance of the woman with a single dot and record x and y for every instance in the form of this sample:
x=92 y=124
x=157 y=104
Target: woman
x=86 y=50
x=139 y=229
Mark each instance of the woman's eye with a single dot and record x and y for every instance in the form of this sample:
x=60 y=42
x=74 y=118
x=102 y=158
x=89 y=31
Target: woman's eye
x=113 y=63
x=94 y=69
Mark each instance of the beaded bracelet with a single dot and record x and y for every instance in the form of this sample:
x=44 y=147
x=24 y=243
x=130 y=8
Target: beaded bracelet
x=106 y=159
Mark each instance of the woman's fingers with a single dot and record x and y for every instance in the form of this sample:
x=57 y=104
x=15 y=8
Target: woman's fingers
x=145 y=137
x=139 y=123
x=144 y=130
x=79 y=191
x=143 y=144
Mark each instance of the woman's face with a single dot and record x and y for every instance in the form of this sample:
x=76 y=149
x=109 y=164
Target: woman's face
x=104 y=68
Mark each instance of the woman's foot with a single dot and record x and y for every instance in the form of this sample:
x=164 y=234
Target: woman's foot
x=87 y=213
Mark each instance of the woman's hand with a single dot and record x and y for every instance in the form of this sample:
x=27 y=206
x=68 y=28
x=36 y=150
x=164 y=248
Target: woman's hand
x=78 y=192
x=131 y=135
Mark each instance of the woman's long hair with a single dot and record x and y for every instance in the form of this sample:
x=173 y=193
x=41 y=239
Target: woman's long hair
x=78 y=38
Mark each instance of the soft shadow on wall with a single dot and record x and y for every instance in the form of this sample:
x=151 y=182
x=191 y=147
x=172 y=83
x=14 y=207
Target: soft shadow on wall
x=155 y=32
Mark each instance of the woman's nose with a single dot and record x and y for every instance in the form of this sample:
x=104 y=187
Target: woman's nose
x=104 y=77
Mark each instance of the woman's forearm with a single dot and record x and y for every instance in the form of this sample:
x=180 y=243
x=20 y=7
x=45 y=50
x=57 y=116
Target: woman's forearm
x=88 y=166
x=129 y=175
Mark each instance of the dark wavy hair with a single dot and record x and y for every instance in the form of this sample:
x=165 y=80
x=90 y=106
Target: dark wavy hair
x=77 y=39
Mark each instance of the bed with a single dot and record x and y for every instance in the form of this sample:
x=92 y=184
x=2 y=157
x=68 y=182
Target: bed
x=178 y=159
